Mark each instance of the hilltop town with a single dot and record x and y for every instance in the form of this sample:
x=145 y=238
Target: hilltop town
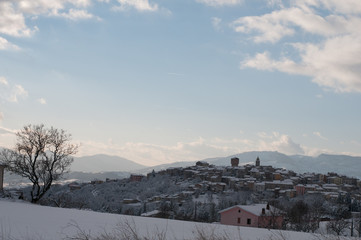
x=202 y=193
x=277 y=182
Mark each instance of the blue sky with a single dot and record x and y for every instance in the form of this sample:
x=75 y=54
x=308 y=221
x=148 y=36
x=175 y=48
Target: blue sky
x=159 y=81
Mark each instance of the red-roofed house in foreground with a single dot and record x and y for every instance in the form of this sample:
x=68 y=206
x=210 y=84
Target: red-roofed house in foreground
x=256 y=215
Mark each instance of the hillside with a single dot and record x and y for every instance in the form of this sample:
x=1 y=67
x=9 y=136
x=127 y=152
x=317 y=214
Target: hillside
x=104 y=163
x=27 y=221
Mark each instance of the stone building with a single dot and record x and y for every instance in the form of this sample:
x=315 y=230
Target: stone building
x=234 y=162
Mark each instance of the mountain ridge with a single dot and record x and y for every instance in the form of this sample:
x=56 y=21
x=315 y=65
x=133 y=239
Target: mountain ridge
x=104 y=163
x=323 y=163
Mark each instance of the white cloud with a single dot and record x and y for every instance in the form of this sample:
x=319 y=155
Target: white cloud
x=13 y=16
x=42 y=101
x=76 y=14
x=332 y=60
x=43 y=7
x=343 y=7
x=7 y=137
x=12 y=13
x=11 y=93
x=275 y=3
x=201 y=148
x=139 y=5
x=12 y=22
x=4 y=130
x=318 y=134
x=16 y=92
x=153 y=154
x=58 y=8
x=268 y=27
x=6 y=45
x=4 y=81
x=216 y=22
x=219 y=3
x=279 y=142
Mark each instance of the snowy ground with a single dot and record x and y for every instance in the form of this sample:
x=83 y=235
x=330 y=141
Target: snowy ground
x=27 y=221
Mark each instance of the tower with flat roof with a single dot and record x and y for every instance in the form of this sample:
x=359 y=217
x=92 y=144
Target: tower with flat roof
x=258 y=162
x=1 y=176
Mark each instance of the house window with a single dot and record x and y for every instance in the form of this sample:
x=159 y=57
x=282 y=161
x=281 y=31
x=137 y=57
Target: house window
x=248 y=221
x=239 y=220
x=239 y=211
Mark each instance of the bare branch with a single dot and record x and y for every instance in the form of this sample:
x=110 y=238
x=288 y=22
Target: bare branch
x=42 y=155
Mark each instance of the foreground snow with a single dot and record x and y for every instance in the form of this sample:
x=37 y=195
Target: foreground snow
x=27 y=221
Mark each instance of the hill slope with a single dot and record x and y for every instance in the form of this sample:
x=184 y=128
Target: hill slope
x=104 y=163
x=28 y=221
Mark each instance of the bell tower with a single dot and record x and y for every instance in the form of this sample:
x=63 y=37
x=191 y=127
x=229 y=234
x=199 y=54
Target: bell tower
x=1 y=176
x=258 y=162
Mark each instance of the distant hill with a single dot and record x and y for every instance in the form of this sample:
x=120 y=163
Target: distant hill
x=87 y=177
x=266 y=157
x=323 y=163
x=341 y=164
x=104 y=163
x=104 y=166
x=165 y=166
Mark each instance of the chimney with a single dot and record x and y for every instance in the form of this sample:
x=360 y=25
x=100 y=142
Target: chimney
x=263 y=211
x=267 y=206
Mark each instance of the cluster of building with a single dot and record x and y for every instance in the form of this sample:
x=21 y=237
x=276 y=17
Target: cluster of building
x=261 y=179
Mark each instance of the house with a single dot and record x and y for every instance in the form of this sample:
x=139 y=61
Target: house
x=1 y=176
x=136 y=177
x=74 y=186
x=256 y=215
x=300 y=189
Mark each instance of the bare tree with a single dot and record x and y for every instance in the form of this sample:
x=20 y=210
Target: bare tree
x=338 y=226
x=42 y=155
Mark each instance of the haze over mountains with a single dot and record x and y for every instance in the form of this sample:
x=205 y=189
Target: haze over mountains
x=101 y=166
x=323 y=163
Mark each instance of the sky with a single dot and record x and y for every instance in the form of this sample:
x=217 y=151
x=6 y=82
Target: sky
x=159 y=81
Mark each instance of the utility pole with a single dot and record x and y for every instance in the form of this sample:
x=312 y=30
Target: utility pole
x=351 y=218
x=359 y=225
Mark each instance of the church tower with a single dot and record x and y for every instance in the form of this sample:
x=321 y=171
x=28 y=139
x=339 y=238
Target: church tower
x=1 y=176
x=258 y=162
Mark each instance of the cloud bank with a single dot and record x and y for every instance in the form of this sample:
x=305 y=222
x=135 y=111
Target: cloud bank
x=220 y=3
x=201 y=148
x=331 y=46
x=10 y=92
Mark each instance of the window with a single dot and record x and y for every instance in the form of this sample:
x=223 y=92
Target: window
x=248 y=221
x=239 y=210
x=239 y=220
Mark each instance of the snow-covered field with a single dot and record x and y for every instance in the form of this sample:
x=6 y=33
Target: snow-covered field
x=27 y=221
